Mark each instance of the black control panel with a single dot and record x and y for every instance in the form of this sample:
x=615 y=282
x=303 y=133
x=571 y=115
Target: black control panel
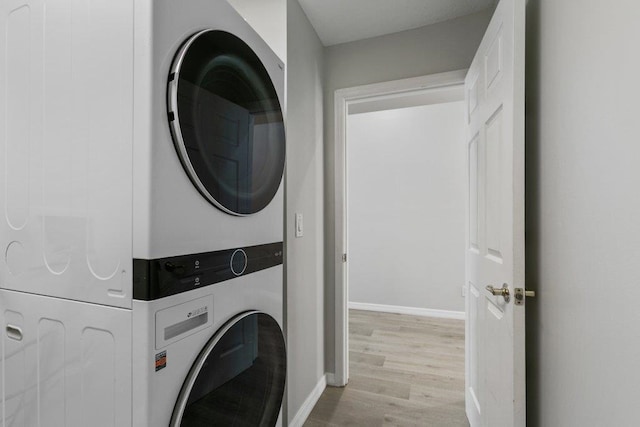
x=158 y=278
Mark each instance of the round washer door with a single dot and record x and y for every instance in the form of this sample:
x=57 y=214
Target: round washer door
x=226 y=122
x=238 y=379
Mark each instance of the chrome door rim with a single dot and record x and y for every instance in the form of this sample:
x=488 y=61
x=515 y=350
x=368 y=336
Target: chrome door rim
x=194 y=371
x=174 y=123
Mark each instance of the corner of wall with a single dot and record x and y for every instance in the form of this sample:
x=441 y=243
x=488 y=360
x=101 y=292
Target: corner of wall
x=304 y=195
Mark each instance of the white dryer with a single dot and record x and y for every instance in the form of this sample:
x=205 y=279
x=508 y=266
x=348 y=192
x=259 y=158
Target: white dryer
x=211 y=171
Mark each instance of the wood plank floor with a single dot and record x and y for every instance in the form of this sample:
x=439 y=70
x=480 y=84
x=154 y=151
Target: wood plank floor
x=404 y=371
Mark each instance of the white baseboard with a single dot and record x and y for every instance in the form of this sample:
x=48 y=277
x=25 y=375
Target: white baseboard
x=311 y=400
x=427 y=312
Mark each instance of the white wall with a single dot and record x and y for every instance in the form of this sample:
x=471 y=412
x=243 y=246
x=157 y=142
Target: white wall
x=406 y=206
x=305 y=261
x=583 y=213
x=437 y=48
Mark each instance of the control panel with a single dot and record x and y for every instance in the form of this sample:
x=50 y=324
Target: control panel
x=158 y=278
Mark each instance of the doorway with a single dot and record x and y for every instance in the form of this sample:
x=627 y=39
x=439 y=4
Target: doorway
x=405 y=206
x=433 y=89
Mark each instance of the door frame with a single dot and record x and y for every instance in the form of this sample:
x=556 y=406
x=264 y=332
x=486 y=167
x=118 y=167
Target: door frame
x=343 y=99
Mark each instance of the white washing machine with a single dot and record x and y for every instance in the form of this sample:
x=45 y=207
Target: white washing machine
x=214 y=356
x=144 y=150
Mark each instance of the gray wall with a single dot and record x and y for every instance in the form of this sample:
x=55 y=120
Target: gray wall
x=583 y=213
x=414 y=159
x=428 y=50
x=305 y=278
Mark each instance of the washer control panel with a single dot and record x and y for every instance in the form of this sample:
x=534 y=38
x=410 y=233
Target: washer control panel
x=158 y=278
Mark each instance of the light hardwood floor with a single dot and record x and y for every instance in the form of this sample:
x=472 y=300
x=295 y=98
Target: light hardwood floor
x=404 y=371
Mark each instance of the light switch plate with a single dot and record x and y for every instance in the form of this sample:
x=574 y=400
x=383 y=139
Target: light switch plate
x=299 y=225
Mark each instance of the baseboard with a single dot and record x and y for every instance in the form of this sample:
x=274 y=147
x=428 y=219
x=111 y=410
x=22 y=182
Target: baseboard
x=426 y=312
x=311 y=400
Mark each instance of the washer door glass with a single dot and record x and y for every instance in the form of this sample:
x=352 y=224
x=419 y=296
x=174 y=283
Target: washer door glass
x=238 y=379
x=226 y=122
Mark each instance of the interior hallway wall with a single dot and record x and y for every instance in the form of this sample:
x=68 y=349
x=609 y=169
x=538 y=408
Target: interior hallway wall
x=305 y=265
x=406 y=207
x=583 y=213
x=436 y=48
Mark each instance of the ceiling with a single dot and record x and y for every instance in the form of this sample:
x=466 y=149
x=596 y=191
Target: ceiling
x=341 y=21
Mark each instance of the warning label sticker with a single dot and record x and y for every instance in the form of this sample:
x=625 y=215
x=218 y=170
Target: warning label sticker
x=161 y=360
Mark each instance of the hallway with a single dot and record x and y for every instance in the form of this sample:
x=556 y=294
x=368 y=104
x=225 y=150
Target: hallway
x=404 y=371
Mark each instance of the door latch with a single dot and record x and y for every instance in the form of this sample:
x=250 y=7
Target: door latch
x=521 y=294
x=500 y=292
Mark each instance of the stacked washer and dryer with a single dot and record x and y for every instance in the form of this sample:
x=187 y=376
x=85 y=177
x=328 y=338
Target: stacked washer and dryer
x=142 y=279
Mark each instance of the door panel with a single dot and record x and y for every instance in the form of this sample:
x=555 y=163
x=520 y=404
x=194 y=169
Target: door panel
x=494 y=87
x=473 y=195
x=492 y=183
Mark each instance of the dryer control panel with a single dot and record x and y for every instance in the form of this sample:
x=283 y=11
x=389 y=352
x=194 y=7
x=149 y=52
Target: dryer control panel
x=158 y=278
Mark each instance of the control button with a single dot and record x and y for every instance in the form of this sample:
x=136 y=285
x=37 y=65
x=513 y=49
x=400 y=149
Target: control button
x=175 y=269
x=238 y=262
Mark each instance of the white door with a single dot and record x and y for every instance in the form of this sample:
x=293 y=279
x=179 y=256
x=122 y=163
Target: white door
x=495 y=340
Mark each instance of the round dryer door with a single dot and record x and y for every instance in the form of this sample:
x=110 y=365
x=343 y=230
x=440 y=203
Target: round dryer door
x=226 y=122
x=238 y=378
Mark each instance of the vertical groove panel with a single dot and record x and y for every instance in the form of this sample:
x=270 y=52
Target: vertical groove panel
x=472 y=101
x=493 y=61
x=51 y=373
x=58 y=223
x=493 y=185
x=17 y=116
x=474 y=305
x=109 y=101
x=98 y=378
x=473 y=194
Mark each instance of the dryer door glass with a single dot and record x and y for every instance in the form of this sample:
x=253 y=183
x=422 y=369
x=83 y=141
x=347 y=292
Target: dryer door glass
x=238 y=379
x=226 y=122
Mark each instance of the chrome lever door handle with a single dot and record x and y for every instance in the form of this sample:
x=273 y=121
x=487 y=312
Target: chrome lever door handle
x=500 y=292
